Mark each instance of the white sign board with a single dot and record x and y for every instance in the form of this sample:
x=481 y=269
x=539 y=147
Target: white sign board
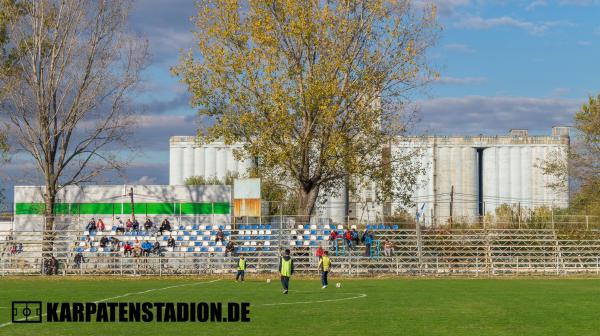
x=246 y=188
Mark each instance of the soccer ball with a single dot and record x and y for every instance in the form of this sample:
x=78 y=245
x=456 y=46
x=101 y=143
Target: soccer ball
x=268 y=280
x=338 y=285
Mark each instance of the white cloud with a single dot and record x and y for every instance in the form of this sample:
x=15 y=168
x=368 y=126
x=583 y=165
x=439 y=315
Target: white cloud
x=494 y=114
x=459 y=47
x=145 y=180
x=534 y=28
x=579 y=2
x=461 y=80
x=536 y=4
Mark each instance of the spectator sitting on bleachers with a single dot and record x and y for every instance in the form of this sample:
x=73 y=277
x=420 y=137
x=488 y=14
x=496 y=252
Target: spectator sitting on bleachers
x=19 y=248
x=13 y=249
x=333 y=235
x=220 y=236
x=115 y=243
x=165 y=226
x=171 y=242
x=129 y=224
x=146 y=248
x=103 y=241
x=127 y=249
x=137 y=248
x=100 y=225
x=119 y=225
x=230 y=248
x=91 y=226
x=148 y=224
x=135 y=225
x=156 y=248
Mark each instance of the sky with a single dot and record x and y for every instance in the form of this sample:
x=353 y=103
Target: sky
x=503 y=64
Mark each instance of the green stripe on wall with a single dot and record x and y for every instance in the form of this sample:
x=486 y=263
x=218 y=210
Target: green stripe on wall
x=219 y=208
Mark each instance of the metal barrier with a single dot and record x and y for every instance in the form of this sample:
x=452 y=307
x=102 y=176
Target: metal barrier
x=416 y=252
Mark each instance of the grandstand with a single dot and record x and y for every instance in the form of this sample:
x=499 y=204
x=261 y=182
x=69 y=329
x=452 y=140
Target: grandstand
x=417 y=250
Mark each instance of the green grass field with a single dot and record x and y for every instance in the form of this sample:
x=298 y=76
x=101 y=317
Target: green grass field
x=405 y=306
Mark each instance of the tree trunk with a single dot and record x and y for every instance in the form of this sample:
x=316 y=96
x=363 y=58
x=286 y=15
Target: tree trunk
x=48 y=234
x=307 y=199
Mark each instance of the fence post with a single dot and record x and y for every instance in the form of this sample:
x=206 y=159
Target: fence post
x=587 y=222
x=419 y=248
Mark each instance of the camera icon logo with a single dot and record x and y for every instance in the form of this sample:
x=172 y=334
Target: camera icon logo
x=27 y=312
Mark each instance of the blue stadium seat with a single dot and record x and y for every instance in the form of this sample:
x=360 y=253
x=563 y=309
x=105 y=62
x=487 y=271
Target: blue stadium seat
x=218 y=249
x=387 y=227
x=208 y=227
x=198 y=243
x=395 y=226
x=255 y=227
x=268 y=226
x=79 y=249
x=380 y=227
x=179 y=238
x=165 y=238
x=320 y=238
x=313 y=243
x=212 y=243
x=190 y=249
x=306 y=226
x=114 y=228
x=242 y=227
x=186 y=233
x=195 y=227
x=199 y=233
x=203 y=249
x=93 y=249
x=313 y=232
x=192 y=238
x=326 y=232
x=206 y=238
x=107 y=249
x=266 y=249
x=181 y=227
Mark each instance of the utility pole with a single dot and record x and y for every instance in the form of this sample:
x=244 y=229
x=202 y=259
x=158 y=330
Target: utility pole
x=132 y=209
x=451 y=204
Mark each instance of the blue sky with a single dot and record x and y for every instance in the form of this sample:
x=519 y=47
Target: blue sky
x=503 y=64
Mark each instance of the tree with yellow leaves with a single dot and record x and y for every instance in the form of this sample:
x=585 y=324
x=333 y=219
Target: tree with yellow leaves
x=315 y=89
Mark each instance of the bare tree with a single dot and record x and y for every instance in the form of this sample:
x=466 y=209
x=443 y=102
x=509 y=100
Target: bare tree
x=72 y=66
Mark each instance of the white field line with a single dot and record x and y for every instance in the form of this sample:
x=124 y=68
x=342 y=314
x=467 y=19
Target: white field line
x=128 y=294
x=359 y=296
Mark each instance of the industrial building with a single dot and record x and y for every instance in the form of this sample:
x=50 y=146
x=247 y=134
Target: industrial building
x=464 y=176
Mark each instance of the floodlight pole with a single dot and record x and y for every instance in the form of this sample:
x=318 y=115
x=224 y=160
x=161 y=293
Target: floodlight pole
x=132 y=204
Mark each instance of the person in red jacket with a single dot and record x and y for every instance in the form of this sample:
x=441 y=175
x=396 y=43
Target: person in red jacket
x=320 y=251
x=100 y=225
x=348 y=237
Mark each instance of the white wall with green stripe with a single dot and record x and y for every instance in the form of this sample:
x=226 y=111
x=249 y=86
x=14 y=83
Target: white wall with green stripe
x=75 y=205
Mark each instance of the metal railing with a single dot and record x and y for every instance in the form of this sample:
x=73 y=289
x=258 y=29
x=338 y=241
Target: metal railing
x=417 y=251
